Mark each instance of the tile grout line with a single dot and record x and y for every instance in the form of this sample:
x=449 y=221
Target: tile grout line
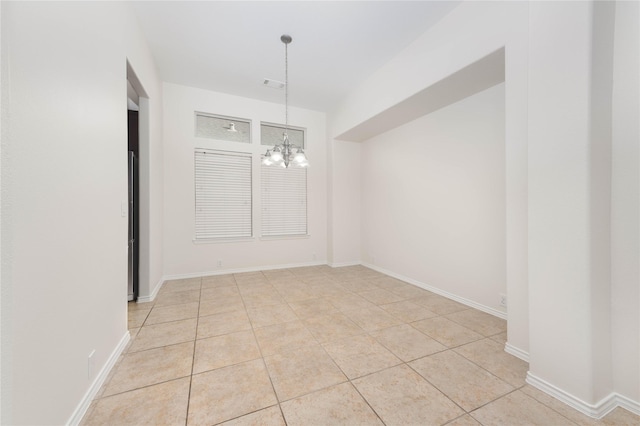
x=321 y=344
x=193 y=358
x=264 y=363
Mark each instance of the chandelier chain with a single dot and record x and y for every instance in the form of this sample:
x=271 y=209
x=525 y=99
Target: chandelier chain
x=286 y=87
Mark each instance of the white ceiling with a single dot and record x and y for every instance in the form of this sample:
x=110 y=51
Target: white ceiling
x=231 y=46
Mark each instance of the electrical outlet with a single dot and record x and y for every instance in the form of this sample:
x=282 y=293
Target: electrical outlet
x=219 y=263
x=314 y=256
x=373 y=260
x=503 y=300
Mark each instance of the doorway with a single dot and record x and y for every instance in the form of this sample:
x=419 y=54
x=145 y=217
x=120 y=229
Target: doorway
x=133 y=143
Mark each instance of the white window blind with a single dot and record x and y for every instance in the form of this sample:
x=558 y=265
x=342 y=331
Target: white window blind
x=284 y=201
x=223 y=195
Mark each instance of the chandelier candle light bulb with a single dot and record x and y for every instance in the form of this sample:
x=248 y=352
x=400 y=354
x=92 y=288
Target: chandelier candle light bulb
x=286 y=154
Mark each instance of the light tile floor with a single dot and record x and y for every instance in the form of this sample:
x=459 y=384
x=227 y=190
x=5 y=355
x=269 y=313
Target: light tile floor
x=319 y=346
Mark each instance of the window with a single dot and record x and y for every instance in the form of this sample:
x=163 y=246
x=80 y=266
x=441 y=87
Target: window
x=284 y=201
x=271 y=134
x=223 y=128
x=223 y=194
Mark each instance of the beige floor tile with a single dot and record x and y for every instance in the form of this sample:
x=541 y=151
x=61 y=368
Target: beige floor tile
x=224 y=323
x=519 y=409
x=168 y=333
x=218 y=281
x=180 y=285
x=465 y=383
x=358 y=285
x=229 y=392
x=332 y=327
x=327 y=290
x=387 y=282
x=296 y=293
x=371 y=319
x=134 y=306
x=164 y=403
x=480 y=322
x=222 y=351
x=350 y=302
x=500 y=338
x=440 y=305
x=177 y=297
x=313 y=308
x=255 y=299
x=620 y=417
x=220 y=305
x=380 y=296
x=337 y=405
x=112 y=373
x=133 y=332
x=255 y=281
x=360 y=355
x=401 y=396
x=268 y=417
x=301 y=371
x=283 y=337
x=172 y=313
x=465 y=420
x=271 y=314
x=139 y=369
x=408 y=311
x=137 y=317
x=491 y=356
x=409 y=291
x=447 y=332
x=219 y=292
x=407 y=343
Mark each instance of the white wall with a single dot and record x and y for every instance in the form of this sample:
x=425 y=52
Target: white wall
x=345 y=206
x=64 y=260
x=183 y=257
x=562 y=183
x=468 y=33
x=434 y=199
x=625 y=202
x=573 y=318
x=151 y=173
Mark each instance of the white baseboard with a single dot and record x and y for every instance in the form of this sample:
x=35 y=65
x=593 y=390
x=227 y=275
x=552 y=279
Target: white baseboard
x=517 y=352
x=596 y=411
x=84 y=404
x=241 y=270
x=154 y=292
x=343 y=264
x=436 y=290
x=628 y=404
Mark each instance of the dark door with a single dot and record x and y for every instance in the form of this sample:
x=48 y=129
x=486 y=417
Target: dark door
x=134 y=205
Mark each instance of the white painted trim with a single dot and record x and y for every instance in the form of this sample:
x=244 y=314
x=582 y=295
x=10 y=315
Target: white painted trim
x=343 y=264
x=596 y=411
x=628 y=404
x=85 y=402
x=241 y=270
x=154 y=292
x=517 y=352
x=436 y=290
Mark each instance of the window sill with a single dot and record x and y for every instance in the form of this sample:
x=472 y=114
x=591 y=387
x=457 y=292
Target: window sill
x=223 y=240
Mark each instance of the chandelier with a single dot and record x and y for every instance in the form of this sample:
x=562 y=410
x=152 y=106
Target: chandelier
x=285 y=154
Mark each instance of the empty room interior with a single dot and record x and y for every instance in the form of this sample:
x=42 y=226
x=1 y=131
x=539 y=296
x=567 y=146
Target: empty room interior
x=320 y=212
